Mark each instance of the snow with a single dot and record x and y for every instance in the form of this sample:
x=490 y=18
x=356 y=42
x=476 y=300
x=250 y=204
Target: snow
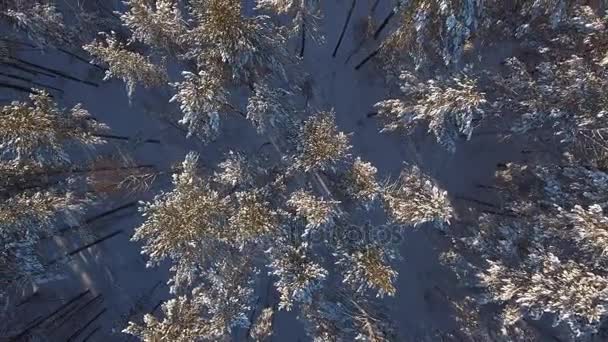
x=115 y=268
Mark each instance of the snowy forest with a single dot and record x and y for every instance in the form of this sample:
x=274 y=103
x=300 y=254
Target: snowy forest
x=303 y=170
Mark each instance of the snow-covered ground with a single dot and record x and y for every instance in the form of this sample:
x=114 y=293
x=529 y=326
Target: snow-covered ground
x=116 y=270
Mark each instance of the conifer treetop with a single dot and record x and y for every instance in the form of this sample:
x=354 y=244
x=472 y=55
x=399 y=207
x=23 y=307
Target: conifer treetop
x=38 y=129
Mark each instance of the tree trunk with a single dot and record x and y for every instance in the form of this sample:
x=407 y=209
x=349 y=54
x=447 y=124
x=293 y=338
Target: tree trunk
x=28 y=298
x=59 y=172
x=160 y=302
x=473 y=200
x=82 y=59
x=354 y=52
x=18 y=42
x=110 y=12
x=488 y=187
x=102 y=169
x=348 y=16
x=67 y=52
x=499 y=213
x=110 y=212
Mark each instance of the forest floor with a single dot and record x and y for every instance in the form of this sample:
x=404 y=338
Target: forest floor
x=115 y=271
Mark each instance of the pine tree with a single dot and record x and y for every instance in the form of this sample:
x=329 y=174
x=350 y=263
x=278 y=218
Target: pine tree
x=40 y=130
x=344 y=316
x=360 y=182
x=269 y=108
x=370 y=322
x=182 y=322
x=253 y=216
x=299 y=276
x=448 y=108
x=326 y=319
x=38 y=187
x=528 y=292
x=42 y=22
x=262 y=329
x=367 y=267
x=225 y=40
x=182 y=223
x=202 y=98
x=321 y=145
x=159 y=26
x=305 y=17
x=227 y=296
x=414 y=200
x=590 y=230
x=24 y=220
x=131 y=67
x=429 y=33
x=220 y=46
x=236 y=171
x=315 y=211
x=543 y=238
x=219 y=302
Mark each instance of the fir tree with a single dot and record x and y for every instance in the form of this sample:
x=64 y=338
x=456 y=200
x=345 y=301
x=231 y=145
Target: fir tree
x=361 y=183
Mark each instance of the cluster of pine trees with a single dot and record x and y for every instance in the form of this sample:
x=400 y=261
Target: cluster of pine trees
x=295 y=218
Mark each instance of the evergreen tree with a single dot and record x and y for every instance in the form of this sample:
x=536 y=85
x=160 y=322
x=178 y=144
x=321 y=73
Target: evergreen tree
x=448 y=108
x=262 y=329
x=202 y=98
x=186 y=221
x=225 y=40
x=320 y=144
x=182 y=322
x=131 y=67
x=160 y=26
x=37 y=187
x=541 y=240
x=40 y=131
x=305 y=17
x=414 y=200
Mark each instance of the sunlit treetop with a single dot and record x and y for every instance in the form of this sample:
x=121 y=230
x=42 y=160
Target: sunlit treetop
x=40 y=130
